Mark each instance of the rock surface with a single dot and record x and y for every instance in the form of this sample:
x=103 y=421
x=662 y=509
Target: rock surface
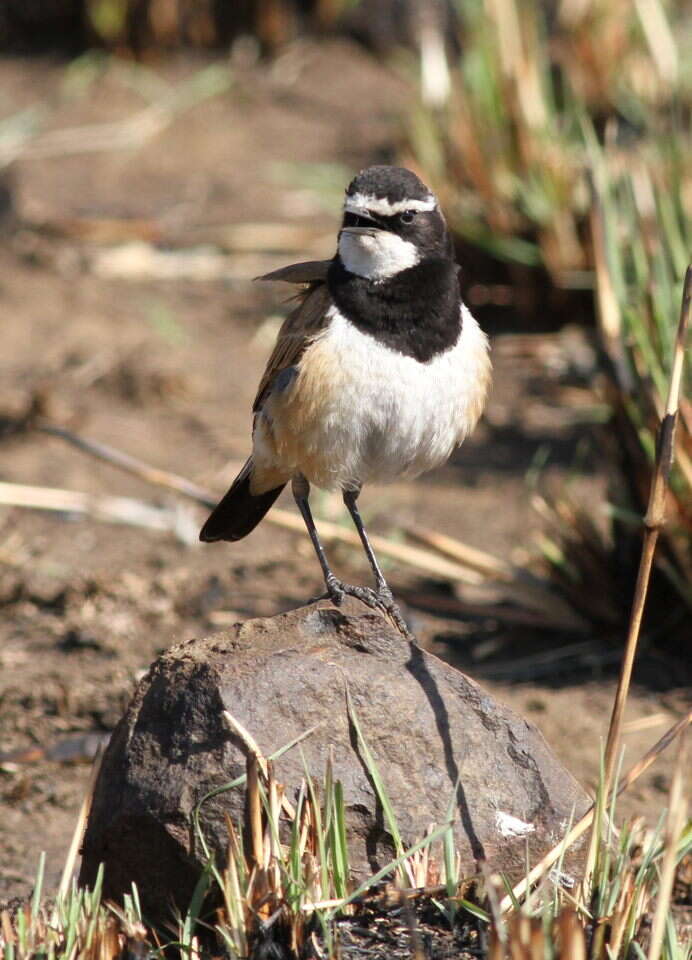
x=427 y=724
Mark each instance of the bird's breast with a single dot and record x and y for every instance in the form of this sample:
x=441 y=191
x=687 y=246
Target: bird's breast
x=358 y=411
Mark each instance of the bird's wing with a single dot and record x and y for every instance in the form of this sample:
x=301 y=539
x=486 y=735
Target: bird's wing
x=311 y=271
x=297 y=331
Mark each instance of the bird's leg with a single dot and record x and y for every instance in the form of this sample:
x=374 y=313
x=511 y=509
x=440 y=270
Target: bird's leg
x=384 y=600
x=380 y=599
x=301 y=492
x=350 y=501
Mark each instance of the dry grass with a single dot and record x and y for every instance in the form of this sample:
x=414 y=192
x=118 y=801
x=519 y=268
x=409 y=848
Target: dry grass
x=563 y=147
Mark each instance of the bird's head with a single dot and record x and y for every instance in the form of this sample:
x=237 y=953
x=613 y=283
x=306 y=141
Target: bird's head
x=392 y=222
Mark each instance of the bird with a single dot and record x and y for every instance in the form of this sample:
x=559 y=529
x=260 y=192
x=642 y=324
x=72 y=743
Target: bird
x=379 y=372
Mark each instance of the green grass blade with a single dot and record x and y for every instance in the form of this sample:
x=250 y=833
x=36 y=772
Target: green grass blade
x=378 y=783
x=38 y=886
x=391 y=867
x=194 y=910
x=320 y=832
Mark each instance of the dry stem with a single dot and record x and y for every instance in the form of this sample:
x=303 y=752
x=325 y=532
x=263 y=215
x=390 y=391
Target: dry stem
x=653 y=522
x=78 y=831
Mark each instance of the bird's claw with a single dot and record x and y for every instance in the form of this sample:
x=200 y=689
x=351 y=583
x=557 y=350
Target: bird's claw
x=385 y=594
x=336 y=591
x=380 y=599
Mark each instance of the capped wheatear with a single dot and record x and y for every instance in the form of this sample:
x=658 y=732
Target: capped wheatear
x=379 y=372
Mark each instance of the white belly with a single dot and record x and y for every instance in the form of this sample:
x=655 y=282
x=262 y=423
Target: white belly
x=359 y=411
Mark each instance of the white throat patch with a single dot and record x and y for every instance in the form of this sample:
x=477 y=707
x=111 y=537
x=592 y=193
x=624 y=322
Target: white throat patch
x=376 y=256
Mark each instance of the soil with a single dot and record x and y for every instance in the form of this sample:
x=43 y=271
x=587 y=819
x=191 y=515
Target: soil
x=165 y=368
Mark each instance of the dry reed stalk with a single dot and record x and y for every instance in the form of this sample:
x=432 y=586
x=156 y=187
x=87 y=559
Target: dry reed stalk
x=519 y=586
x=411 y=556
x=6 y=928
x=608 y=311
x=78 y=831
x=248 y=740
x=126 y=462
x=252 y=747
x=254 y=811
x=582 y=825
x=126 y=510
x=644 y=723
x=495 y=947
x=471 y=557
x=653 y=523
x=274 y=792
x=620 y=914
x=660 y=39
x=571 y=935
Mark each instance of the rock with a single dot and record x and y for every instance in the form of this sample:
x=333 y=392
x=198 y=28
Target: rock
x=426 y=723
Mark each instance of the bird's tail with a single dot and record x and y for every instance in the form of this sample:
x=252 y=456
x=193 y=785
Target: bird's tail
x=239 y=512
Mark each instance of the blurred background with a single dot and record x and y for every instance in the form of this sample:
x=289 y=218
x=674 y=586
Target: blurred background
x=155 y=156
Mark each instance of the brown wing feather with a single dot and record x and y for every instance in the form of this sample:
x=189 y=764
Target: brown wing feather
x=297 y=331
x=311 y=271
x=242 y=508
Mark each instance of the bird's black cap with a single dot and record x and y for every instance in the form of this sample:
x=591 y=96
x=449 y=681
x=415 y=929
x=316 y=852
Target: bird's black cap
x=394 y=184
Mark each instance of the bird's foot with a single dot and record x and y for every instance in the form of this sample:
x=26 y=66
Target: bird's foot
x=380 y=599
x=336 y=592
x=388 y=605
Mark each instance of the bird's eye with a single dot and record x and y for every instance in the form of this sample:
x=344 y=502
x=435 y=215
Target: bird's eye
x=407 y=216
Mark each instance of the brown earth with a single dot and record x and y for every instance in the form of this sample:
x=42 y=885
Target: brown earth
x=165 y=368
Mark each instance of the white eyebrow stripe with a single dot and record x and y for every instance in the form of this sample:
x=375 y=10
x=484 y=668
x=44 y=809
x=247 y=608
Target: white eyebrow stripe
x=363 y=201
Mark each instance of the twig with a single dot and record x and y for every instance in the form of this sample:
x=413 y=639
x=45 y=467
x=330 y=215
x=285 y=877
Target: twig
x=581 y=826
x=128 y=463
x=111 y=509
x=490 y=601
x=412 y=556
x=252 y=747
x=479 y=560
x=520 y=586
x=82 y=817
x=653 y=523
x=644 y=723
x=251 y=744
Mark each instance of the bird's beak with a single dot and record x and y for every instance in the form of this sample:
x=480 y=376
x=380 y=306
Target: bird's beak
x=362 y=231
x=358 y=221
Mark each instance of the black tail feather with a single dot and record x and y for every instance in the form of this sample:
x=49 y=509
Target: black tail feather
x=239 y=512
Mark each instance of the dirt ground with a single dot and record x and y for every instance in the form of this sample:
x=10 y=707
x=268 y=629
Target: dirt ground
x=160 y=358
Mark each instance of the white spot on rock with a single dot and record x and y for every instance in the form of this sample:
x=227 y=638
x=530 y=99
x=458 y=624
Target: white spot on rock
x=510 y=826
